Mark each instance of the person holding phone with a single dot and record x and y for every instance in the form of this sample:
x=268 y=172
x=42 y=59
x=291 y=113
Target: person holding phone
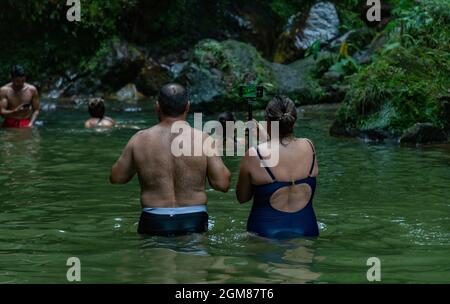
x=282 y=194
x=19 y=101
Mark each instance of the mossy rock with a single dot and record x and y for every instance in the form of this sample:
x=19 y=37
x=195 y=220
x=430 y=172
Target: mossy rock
x=216 y=70
x=398 y=90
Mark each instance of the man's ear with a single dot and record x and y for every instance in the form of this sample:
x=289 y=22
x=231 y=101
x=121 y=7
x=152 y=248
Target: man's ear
x=157 y=107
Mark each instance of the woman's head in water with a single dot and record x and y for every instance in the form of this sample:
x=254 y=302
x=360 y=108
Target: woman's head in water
x=97 y=108
x=282 y=109
x=226 y=116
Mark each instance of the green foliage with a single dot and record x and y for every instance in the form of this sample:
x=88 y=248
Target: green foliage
x=284 y=9
x=46 y=43
x=323 y=64
x=92 y=63
x=349 y=20
x=350 y=4
x=238 y=61
x=345 y=66
x=404 y=84
x=314 y=49
x=398 y=90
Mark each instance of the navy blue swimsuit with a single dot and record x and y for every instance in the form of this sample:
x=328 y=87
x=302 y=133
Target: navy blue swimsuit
x=269 y=222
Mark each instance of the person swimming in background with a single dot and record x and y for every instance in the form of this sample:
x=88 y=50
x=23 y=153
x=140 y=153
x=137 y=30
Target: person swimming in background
x=19 y=101
x=283 y=195
x=173 y=196
x=96 y=108
x=229 y=138
x=223 y=118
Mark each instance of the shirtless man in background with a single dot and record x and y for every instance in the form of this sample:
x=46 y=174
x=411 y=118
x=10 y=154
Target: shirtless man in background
x=173 y=194
x=19 y=101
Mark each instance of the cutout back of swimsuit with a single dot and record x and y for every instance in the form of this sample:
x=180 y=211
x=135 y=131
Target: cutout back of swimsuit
x=294 y=196
x=291 y=199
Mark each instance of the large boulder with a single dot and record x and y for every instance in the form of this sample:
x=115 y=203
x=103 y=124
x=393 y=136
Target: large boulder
x=116 y=64
x=128 y=93
x=321 y=23
x=152 y=77
x=216 y=69
x=254 y=22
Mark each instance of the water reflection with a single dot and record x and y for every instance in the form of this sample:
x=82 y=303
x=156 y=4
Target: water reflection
x=193 y=243
x=20 y=154
x=376 y=200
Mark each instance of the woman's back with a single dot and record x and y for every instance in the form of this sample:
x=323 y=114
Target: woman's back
x=283 y=193
x=295 y=163
x=282 y=205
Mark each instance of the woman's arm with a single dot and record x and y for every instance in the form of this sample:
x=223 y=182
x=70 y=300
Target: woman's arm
x=244 y=188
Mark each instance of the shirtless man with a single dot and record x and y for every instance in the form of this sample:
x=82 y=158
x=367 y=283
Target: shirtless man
x=19 y=101
x=173 y=194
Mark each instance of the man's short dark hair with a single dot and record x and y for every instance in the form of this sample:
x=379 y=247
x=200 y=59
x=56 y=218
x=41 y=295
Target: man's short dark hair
x=17 y=71
x=173 y=99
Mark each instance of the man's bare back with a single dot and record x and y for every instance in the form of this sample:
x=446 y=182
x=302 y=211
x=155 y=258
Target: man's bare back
x=168 y=181
x=172 y=184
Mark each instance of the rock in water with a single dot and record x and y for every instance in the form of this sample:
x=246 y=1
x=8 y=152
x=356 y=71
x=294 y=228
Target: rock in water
x=129 y=92
x=216 y=69
x=204 y=84
x=115 y=64
x=152 y=77
x=121 y=65
x=423 y=133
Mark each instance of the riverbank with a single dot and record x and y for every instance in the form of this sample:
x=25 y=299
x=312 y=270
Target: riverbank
x=391 y=76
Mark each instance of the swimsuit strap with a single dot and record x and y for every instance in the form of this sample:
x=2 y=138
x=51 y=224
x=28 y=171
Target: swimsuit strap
x=99 y=121
x=314 y=157
x=265 y=167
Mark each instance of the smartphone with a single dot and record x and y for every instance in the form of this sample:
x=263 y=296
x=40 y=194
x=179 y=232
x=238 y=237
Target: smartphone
x=251 y=91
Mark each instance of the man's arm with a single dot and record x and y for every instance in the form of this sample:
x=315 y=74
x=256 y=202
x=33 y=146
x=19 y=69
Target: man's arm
x=4 y=106
x=244 y=189
x=123 y=170
x=219 y=176
x=36 y=104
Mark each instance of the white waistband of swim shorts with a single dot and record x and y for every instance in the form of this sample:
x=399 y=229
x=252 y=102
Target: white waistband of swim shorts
x=175 y=211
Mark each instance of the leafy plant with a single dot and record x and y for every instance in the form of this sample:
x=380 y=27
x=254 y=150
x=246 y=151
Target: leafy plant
x=314 y=49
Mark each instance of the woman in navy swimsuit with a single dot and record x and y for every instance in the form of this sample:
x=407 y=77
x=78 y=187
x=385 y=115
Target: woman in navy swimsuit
x=283 y=195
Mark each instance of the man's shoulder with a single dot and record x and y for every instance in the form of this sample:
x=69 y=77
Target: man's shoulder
x=140 y=134
x=6 y=88
x=31 y=87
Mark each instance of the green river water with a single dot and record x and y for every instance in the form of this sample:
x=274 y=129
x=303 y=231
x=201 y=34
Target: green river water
x=373 y=200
